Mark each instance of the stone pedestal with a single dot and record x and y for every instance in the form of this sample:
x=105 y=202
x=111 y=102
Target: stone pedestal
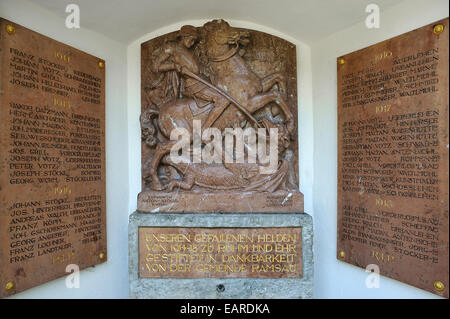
x=226 y=288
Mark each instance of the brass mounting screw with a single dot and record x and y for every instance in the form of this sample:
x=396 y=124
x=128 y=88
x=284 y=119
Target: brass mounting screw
x=341 y=61
x=438 y=28
x=438 y=285
x=101 y=64
x=10 y=29
x=101 y=256
x=10 y=286
x=341 y=254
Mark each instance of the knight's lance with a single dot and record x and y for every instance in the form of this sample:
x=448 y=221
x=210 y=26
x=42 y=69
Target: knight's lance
x=229 y=98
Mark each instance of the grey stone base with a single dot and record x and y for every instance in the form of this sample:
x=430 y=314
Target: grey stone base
x=209 y=288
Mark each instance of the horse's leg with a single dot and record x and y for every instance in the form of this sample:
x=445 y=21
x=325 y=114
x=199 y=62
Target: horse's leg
x=275 y=78
x=161 y=150
x=259 y=101
x=183 y=119
x=214 y=114
x=220 y=104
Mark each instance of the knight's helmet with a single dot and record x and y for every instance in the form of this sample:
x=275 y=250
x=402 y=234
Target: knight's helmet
x=188 y=30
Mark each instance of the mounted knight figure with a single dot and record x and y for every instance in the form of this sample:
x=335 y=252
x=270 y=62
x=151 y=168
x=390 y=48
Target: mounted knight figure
x=228 y=97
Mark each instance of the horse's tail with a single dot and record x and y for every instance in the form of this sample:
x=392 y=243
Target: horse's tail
x=148 y=127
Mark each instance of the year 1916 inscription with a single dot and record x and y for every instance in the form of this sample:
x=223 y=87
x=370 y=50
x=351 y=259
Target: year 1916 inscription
x=52 y=159
x=220 y=252
x=393 y=157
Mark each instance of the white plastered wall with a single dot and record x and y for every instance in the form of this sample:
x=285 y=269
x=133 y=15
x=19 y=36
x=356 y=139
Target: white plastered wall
x=317 y=140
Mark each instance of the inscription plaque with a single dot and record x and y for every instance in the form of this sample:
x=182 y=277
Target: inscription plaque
x=207 y=87
x=174 y=252
x=393 y=158
x=52 y=159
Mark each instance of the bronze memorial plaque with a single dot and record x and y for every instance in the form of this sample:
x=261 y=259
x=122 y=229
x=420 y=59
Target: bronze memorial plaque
x=226 y=98
x=393 y=158
x=187 y=252
x=52 y=159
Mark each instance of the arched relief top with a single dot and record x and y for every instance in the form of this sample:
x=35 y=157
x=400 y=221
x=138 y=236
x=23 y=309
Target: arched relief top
x=224 y=79
x=243 y=24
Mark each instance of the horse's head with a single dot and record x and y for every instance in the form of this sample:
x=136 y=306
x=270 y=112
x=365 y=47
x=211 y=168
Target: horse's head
x=220 y=36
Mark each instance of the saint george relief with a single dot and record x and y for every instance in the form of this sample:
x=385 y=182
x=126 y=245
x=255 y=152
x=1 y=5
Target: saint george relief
x=219 y=122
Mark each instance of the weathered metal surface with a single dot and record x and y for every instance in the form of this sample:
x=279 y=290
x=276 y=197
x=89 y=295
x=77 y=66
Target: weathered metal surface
x=52 y=159
x=393 y=158
x=175 y=252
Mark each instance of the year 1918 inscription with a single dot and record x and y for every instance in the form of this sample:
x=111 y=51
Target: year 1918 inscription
x=393 y=157
x=52 y=159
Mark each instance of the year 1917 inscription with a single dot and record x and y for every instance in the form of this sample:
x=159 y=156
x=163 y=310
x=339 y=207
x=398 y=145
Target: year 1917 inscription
x=52 y=159
x=393 y=157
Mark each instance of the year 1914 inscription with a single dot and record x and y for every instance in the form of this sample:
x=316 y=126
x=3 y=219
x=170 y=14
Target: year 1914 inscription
x=177 y=252
x=52 y=159
x=393 y=157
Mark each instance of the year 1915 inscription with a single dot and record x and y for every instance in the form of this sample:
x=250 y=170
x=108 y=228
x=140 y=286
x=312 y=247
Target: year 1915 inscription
x=52 y=159
x=393 y=157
